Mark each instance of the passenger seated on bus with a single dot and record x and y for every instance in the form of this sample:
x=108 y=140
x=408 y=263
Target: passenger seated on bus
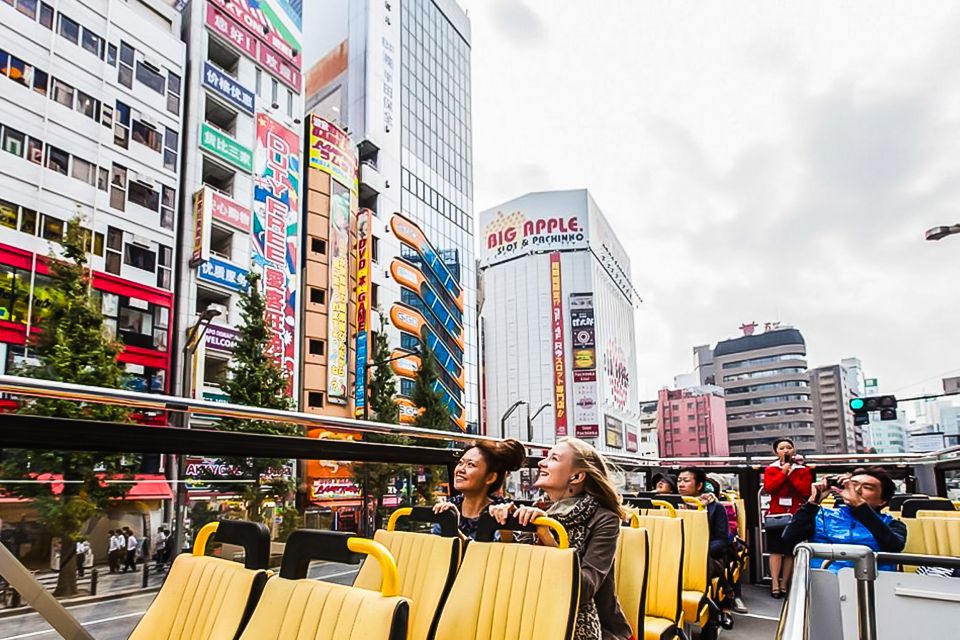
x=692 y=482
x=664 y=483
x=857 y=520
x=715 y=487
x=479 y=478
x=585 y=501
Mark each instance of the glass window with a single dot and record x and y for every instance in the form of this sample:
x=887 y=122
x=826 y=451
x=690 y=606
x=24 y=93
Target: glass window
x=123 y=114
x=103 y=179
x=150 y=77
x=126 y=53
x=28 y=7
x=40 y=81
x=114 y=238
x=52 y=229
x=69 y=29
x=4 y=62
x=92 y=43
x=83 y=170
x=34 y=151
x=28 y=221
x=140 y=258
x=144 y=196
x=146 y=135
x=165 y=256
x=112 y=55
x=112 y=264
x=173 y=92
x=107 y=119
x=63 y=93
x=46 y=15
x=57 y=159
x=125 y=76
x=8 y=214
x=19 y=70
x=135 y=321
x=119 y=176
x=13 y=141
x=88 y=105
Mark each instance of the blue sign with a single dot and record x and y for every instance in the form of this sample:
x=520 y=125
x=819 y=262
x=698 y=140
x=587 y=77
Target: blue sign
x=360 y=388
x=227 y=87
x=223 y=273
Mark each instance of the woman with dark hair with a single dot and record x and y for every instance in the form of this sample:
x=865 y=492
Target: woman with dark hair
x=788 y=482
x=479 y=478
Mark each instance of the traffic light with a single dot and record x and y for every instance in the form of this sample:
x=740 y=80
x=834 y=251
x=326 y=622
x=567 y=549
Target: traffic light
x=861 y=407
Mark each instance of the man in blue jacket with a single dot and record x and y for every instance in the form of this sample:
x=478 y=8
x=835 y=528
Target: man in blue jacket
x=857 y=520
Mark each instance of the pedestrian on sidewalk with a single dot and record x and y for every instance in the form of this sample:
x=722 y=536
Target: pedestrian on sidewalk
x=83 y=548
x=131 y=547
x=114 y=538
x=160 y=548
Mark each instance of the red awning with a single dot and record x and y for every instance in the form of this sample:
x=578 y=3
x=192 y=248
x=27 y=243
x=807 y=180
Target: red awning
x=146 y=486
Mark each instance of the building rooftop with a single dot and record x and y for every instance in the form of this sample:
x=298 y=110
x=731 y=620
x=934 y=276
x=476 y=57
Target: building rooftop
x=765 y=340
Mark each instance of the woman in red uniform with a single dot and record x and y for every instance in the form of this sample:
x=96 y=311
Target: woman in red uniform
x=788 y=482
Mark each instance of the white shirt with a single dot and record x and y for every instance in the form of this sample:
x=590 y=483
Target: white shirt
x=132 y=543
x=114 y=543
x=83 y=546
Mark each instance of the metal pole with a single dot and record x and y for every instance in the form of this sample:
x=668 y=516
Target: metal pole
x=529 y=425
x=865 y=568
x=793 y=621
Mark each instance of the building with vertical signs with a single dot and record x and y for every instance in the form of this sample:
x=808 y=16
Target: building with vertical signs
x=91 y=123
x=396 y=76
x=558 y=323
x=241 y=180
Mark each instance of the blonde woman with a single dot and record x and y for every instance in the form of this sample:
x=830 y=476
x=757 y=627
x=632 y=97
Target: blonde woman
x=584 y=500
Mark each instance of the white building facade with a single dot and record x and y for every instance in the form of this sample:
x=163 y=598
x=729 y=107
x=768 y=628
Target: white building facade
x=558 y=322
x=241 y=180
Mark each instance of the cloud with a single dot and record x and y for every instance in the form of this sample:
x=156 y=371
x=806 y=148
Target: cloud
x=515 y=20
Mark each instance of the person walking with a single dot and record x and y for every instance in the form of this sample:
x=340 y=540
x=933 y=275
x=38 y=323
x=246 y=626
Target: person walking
x=131 y=548
x=160 y=549
x=114 y=541
x=83 y=548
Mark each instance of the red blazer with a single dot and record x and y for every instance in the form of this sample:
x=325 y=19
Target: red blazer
x=787 y=492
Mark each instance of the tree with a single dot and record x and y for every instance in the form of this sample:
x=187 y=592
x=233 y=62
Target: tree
x=258 y=380
x=376 y=478
x=70 y=345
x=433 y=413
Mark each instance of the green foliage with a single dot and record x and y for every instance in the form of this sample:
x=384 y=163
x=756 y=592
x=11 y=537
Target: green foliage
x=434 y=413
x=382 y=382
x=70 y=345
x=258 y=380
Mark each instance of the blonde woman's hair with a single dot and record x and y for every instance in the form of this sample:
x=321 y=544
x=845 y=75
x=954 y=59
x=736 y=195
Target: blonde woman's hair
x=598 y=483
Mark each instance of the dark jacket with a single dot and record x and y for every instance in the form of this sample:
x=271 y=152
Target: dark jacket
x=597 y=576
x=889 y=536
x=719 y=529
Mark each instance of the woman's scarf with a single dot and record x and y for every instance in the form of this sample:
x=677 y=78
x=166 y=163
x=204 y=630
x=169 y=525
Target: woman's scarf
x=575 y=514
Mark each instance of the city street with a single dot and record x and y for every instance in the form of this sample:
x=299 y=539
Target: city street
x=115 y=619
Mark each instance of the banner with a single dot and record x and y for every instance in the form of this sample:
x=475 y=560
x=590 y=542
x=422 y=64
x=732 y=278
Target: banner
x=633 y=444
x=221 y=338
x=332 y=152
x=226 y=210
x=262 y=38
x=201 y=227
x=223 y=273
x=559 y=356
x=276 y=239
x=511 y=234
x=613 y=431
x=228 y=88
x=586 y=414
x=339 y=252
x=225 y=147
x=364 y=227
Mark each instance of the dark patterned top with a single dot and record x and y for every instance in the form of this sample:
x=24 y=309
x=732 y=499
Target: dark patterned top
x=468 y=526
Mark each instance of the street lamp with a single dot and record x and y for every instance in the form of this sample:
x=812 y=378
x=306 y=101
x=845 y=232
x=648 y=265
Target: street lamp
x=530 y=419
x=503 y=421
x=177 y=463
x=941 y=232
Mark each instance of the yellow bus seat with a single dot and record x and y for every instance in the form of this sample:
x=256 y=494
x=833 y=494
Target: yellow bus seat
x=207 y=598
x=696 y=549
x=630 y=575
x=294 y=607
x=663 y=614
x=513 y=591
x=926 y=513
x=910 y=507
x=427 y=565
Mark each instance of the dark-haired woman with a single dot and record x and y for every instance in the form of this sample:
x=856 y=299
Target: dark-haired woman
x=478 y=478
x=788 y=482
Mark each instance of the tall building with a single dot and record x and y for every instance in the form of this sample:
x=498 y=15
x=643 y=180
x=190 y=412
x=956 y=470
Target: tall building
x=887 y=436
x=649 y=438
x=764 y=378
x=830 y=392
x=692 y=422
x=396 y=77
x=91 y=103
x=558 y=321
x=241 y=180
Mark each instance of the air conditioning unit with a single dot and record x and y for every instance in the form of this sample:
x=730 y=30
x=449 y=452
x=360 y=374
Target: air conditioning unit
x=150 y=122
x=144 y=180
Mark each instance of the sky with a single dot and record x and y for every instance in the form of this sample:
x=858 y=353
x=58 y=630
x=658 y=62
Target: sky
x=760 y=161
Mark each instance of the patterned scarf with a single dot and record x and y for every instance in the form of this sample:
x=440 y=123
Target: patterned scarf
x=574 y=514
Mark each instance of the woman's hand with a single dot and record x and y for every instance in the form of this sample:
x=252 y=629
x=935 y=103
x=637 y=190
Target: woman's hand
x=707 y=498
x=441 y=507
x=500 y=512
x=526 y=515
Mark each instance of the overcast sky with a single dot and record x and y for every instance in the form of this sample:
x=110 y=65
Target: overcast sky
x=760 y=161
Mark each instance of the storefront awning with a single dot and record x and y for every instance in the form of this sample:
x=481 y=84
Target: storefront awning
x=146 y=486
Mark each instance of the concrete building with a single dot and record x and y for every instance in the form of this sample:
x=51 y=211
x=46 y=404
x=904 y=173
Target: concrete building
x=692 y=422
x=888 y=436
x=558 y=320
x=649 y=440
x=396 y=77
x=830 y=392
x=703 y=364
x=950 y=423
x=241 y=179
x=91 y=104
x=764 y=378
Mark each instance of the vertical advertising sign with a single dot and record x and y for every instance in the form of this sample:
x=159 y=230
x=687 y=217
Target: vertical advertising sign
x=586 y=416
x=332 y=152
x=559 y=355
x=201 y=227
x=276 y=234
x=363 y=309
x=613 y=432
x=339 y=248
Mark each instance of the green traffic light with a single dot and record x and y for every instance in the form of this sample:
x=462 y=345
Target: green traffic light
x=857 y=404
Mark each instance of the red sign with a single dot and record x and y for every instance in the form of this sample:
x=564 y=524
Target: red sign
x=226 y=210
x=230 y=30
x=559 y=356
x=287 y=73
x=260 y=26
x=632 y=444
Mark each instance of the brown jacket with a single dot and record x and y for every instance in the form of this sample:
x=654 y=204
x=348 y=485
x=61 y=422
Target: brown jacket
x=597 y=576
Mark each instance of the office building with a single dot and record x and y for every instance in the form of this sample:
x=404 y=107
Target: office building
x=241 y=180
x=649 y=440
x=692 y=422
x=887 y=436
x=91 y=124
x=830 y=393
x=764 y=379
x=396 y=77
x=558 y=321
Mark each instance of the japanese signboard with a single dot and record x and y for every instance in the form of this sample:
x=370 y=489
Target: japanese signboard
x=201 y=227
x=226 y=87
x=613 y=432
x=633 y=443
x=332 y=152
x=221 y=338
x=559 y=355
x=235 y=34
x=223 y=273
x=276 y=234
x=267 y=39
x=339 y=252
x=223 y=146
x=586 y=415
x=363 y=307
x=223 y=209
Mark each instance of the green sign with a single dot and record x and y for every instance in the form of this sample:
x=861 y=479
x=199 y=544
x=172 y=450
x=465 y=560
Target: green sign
x=221 y=144
x=870 y=382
